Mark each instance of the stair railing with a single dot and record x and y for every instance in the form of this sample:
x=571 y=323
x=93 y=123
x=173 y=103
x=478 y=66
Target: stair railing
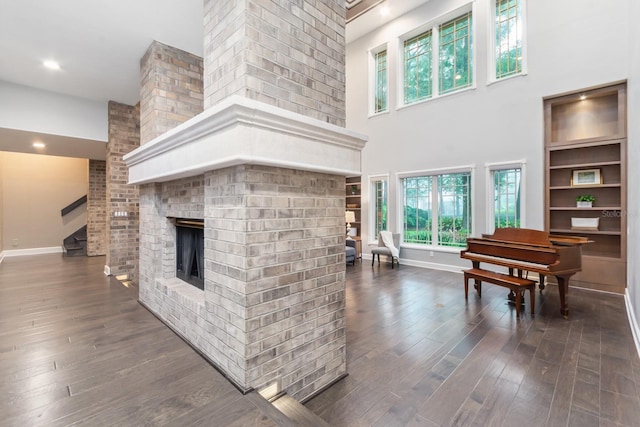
x=73 y=205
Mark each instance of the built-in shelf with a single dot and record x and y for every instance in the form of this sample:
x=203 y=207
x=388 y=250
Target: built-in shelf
x=594 y=208
x=353 y=191
x=586 y=131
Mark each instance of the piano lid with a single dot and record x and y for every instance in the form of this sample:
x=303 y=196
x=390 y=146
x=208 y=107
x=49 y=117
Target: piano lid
x=534 y=237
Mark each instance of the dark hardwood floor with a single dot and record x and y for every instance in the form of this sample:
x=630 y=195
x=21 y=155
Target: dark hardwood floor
x=77 y=349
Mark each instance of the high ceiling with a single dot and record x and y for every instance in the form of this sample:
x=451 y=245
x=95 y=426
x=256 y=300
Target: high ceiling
x=99 y=43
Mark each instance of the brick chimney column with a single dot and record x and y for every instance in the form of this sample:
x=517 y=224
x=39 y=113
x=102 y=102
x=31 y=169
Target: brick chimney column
x=287 y=54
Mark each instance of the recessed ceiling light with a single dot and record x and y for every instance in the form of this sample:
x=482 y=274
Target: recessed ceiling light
x=583 y=97
x=384 y=10
x=39 y=145
x=52 y=65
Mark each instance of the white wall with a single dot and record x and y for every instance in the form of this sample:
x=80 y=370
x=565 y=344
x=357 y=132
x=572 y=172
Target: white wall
x=26 y=108
x=633 y=102
x=572 y=44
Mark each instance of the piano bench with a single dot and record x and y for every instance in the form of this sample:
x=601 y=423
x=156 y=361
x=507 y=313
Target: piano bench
x=514 y=283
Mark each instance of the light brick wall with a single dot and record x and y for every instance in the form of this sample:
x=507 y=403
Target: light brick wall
x=176 y=302
x=274 y=256
x=273 y=305
x=122 y=231
x=171 y=89
x=97 y=208
x=287 y=54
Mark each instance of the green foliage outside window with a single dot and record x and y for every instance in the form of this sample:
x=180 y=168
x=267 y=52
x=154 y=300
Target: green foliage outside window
x=450 y=194
x=508 y=28
x=417 y=68
x=506 y=198
x=379 y=206
x=455 y=54
x=381 y=82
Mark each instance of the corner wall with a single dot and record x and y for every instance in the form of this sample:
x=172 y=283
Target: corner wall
x=34 y=190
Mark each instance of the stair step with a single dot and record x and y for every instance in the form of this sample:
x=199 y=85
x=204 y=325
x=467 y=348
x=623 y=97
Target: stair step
x=299 y=413
x=80 y=238
x=286 y=411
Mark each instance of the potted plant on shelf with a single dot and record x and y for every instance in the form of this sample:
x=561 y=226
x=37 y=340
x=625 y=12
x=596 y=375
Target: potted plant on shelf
x=585 y=201
x=354 y=189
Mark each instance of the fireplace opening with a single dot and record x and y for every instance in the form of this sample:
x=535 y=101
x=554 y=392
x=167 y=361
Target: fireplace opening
x=190 y=251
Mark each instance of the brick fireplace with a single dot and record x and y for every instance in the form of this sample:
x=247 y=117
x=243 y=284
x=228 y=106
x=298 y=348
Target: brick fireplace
x=269 y=185
x=263 y=167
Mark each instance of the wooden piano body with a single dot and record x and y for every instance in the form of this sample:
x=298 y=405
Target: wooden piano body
x=521 y=249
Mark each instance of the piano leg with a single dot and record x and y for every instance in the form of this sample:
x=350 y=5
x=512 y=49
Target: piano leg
x=541 y=286
x=563 y=290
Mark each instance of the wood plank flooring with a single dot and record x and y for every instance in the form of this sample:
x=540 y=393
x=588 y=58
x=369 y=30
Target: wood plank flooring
x=77 y=349
x=418 y=355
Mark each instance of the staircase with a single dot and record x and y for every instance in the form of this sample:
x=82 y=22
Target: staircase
x=76 y=243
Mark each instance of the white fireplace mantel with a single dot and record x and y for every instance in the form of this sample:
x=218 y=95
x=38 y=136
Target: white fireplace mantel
x=239 y=130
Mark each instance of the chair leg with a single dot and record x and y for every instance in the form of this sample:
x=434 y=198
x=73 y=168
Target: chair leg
x=392 y=259
x=373 y=259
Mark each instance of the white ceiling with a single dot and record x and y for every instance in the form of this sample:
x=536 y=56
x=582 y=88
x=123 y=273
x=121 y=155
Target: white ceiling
x=99 y=43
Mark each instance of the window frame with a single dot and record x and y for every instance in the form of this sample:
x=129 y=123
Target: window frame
x=373 y=236
x=373 y=75
x=434 y=27
x=434 y=173
x=490 y=169
x=492 y=57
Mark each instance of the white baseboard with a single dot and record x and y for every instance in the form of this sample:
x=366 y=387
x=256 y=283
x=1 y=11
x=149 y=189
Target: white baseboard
x=633 y=322
x=422 y=264
x=32 y=251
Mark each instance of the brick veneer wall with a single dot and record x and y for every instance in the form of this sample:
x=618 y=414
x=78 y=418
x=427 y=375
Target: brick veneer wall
x=287 y=54
x=273 y=305
x=122 y=231
x=171 y=89
x=97 y=208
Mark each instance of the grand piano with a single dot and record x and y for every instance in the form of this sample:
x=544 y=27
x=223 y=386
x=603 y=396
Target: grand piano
x=523 y=250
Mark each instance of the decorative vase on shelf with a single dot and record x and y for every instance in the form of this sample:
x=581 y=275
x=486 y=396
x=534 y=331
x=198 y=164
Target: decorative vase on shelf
x=584 y=204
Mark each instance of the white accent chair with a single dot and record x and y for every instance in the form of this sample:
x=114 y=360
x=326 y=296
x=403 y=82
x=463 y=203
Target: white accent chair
x=381 y=249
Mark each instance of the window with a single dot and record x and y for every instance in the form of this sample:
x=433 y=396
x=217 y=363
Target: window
x=378 y=76
x=437 y=209
x=380 y=97
x=417 y=68
x=438 y=57
x=508 y=38
x=506 y=193
x=455 y=54
x=379 y=198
